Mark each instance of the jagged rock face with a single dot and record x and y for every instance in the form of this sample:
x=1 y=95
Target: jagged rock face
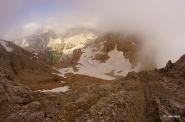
x=22 y=66
x=129 y=47
x=181 y=60
x=77 y=41
x=147 y=96
x=69 y=60
x=51 y=46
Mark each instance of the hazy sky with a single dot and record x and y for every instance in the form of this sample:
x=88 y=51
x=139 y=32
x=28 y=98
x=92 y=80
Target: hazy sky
x=17 y=13
x=161 y=22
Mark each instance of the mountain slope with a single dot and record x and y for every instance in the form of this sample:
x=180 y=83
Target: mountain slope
x=22 y=66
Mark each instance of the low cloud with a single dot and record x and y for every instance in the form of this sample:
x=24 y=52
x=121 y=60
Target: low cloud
x=160 y=24
x=30 y=28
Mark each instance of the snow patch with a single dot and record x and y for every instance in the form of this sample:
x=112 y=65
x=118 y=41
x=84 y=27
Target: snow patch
x=35 y=53
x=24 y=43
x=62 y=82
x=58 y=74
x=64 y=71
x=58 y=89
x=6 y=46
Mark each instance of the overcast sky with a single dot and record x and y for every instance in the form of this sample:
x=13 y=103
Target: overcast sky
x=162 y=22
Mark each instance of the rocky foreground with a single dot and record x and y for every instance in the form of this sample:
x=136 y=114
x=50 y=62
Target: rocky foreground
x=147 y=96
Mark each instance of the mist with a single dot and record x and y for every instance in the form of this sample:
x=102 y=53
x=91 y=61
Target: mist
x=159 y=23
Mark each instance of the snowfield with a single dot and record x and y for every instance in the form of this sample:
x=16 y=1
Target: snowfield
x=116 y=65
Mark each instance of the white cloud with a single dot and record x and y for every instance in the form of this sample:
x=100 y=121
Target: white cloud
x=160 y=22
x=31 y=28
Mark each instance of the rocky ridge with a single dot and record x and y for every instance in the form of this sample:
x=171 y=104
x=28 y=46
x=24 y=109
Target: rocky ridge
x=146 y=96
